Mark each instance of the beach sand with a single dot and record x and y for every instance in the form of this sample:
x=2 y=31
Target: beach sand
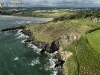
x=29 y=18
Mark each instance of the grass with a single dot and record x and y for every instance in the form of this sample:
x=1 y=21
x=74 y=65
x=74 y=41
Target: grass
x=85 y=21
x=45 y=13
x=94 y=40
x=50 y=31
x=84 y=61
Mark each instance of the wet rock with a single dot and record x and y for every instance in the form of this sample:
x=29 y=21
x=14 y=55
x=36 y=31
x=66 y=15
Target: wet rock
x=59 y=63
x=57 y=56
x=29 y=40
x=46 y=48
x=39 y=44
x=43 y=50
x=54 y=46
x=51 y=48
x=27 y=32
x=60 y=72
x=13 y=28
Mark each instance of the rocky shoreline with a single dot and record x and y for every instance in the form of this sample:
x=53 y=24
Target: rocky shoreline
x=45 y=47
x=49 y=48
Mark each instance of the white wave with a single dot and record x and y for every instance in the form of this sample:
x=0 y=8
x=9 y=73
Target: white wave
x=22 y=22
x=54 y=73
x=51 y=64
x=23 y=41
x=19 y=35
x=19 y=32
x=35 y=48
x=16 y=58
x=28 y=21
x=52 y=54
x=34 y=62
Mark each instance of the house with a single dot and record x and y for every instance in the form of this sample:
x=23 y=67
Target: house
x=95 y=20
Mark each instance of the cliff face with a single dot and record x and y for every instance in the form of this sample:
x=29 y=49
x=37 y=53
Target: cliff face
x=54 y=46
x=49 y=47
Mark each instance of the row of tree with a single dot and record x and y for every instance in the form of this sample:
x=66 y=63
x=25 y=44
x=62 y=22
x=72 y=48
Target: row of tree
x=79 y=14
x=7 y=12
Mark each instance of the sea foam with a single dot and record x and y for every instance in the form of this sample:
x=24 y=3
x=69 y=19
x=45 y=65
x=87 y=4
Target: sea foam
x=35 y=48
x=20 y=35
x=34 y=62
x=16 y=58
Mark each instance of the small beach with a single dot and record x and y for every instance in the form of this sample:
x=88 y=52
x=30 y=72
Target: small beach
x=29 y=18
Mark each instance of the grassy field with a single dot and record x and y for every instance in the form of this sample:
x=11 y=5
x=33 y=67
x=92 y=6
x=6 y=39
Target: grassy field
x=45 y=13
x=84 y=61
x=94 y=40
x=54 y=30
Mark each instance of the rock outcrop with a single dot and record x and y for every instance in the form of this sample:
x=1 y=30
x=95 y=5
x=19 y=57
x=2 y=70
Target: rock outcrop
x=46 y=48
x=60 y=72
x=51 y=48
x=26 y=32
x=60 y=63
x=69 y=38
x=54 y=46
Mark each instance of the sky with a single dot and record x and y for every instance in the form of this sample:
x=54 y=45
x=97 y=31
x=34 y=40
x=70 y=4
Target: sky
x=58 y=3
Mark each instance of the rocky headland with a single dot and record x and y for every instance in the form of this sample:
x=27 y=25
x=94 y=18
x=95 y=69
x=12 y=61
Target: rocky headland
x=61 y=56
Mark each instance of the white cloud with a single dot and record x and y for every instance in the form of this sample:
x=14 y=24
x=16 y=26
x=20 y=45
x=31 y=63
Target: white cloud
x=75 y=3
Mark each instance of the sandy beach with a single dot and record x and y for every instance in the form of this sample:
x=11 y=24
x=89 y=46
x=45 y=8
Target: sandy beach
x=29 y=18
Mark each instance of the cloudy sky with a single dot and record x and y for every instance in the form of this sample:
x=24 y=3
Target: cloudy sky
x=59 y=3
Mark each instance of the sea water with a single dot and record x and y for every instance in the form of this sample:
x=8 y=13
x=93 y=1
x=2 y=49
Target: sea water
x=17 y=58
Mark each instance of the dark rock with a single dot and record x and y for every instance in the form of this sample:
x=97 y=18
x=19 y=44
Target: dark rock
x=39 y=44
x=59 y=63
x=46 y=48
x=54 y=46
x=29 y=40
x=27 y=32
x=51 y=48
x=60 y=72
x=43 y=50
x=13 y=28
x=57 y=56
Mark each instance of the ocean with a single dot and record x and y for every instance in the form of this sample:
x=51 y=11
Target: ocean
x=17 y=58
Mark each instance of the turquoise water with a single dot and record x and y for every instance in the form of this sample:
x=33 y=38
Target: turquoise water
x=17 y=58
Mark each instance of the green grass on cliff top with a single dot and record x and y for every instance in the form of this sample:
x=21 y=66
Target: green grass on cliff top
x=52 y=30
x=84 y=61
x=45 y=13
x=94 y=40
